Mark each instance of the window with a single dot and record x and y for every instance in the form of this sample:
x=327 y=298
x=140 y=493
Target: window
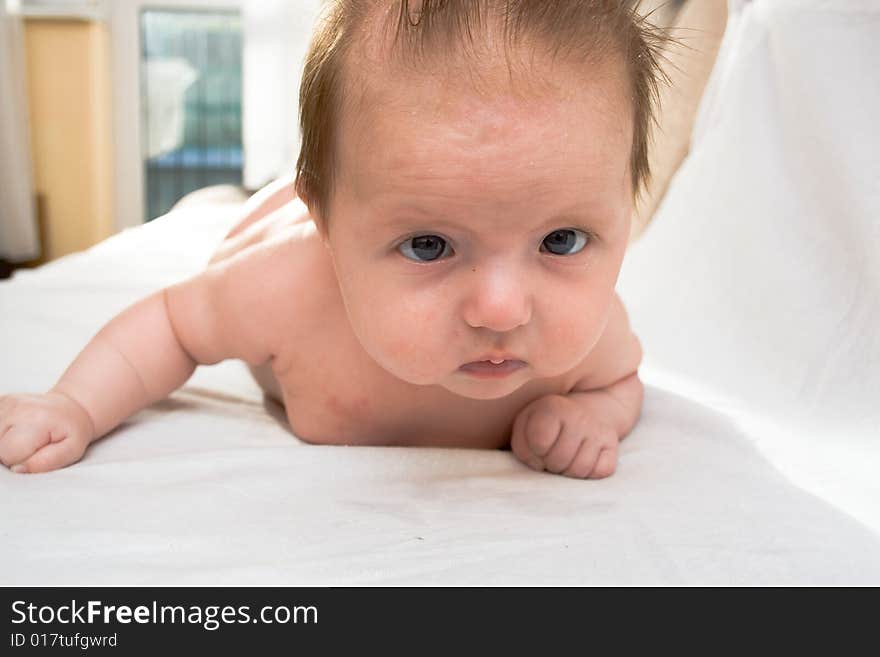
x=190 y=103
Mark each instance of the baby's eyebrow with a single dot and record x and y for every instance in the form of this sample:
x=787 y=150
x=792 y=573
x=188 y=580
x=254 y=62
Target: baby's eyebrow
x=409 y=214
x=408 y=217
x=427 y=223
x=399 y=211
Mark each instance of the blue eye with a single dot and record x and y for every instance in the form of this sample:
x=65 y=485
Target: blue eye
x=565 y=241
x=424 y=248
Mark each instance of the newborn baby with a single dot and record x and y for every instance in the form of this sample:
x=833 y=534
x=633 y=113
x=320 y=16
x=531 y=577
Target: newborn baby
x=442 y=270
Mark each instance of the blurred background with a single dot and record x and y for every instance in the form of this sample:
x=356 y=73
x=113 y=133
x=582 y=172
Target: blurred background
x=112 y=110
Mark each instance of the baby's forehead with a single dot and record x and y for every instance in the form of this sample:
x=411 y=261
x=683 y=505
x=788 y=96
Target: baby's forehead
x=487 y=105
x=457 y=90
x=491 y=114
x=421 y=140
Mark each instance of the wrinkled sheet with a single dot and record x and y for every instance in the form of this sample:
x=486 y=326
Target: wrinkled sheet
x=210 y=487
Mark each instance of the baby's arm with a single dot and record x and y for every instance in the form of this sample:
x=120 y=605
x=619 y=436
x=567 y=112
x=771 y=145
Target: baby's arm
x=133 y=361
x=141 y=356
x=577 y=434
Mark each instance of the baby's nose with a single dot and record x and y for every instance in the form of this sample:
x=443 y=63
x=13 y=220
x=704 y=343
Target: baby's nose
x=497 y=299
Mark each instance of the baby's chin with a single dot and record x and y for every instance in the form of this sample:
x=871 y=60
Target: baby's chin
x=483 y=389
x=462 y=385
x=482 y=394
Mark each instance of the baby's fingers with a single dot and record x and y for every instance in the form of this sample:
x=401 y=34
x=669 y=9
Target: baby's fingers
x=606 y=464
x=584 y=460
x=522 y=451
x=542 y=428
x=565 y=449
x=596 y=457
x=20 y=441
x=54 y=456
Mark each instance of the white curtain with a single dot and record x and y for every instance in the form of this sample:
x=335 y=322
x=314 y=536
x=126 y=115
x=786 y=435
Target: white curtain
x=18 y=232
x=276 y=35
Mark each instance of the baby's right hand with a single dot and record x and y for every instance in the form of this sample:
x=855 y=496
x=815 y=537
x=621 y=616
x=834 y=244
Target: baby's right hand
x=39 y=433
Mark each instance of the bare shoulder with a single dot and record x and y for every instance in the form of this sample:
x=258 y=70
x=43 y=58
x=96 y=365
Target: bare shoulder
x=273 y=280
x=616 y=355
x=262 y=222
x=249 y=301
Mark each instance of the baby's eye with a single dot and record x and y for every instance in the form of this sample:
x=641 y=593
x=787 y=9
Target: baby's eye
x=565 y=241
x=424 y=248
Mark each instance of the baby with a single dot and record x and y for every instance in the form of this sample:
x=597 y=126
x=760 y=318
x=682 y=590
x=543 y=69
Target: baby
x=442 y=270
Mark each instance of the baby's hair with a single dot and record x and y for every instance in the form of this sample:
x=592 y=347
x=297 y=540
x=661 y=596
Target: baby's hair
x=581 y=31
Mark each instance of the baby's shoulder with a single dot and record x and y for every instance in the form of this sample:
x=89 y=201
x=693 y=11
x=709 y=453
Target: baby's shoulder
x=271 y=280
x=617 y=353
x=290 y=222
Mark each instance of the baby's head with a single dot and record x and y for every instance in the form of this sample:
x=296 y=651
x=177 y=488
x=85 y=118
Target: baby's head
x=472 y=166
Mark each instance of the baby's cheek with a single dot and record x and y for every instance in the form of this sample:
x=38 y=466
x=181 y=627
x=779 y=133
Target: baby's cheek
x=408 y=351
x=569 y=339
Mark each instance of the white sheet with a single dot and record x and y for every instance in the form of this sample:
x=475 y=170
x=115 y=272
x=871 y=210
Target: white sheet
x=209 y=487
x=757 y=287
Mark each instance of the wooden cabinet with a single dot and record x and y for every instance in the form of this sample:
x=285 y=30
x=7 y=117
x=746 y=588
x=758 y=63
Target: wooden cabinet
x=71 y=126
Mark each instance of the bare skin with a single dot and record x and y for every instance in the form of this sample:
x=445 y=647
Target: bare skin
x=323 y=378
x=365 y=342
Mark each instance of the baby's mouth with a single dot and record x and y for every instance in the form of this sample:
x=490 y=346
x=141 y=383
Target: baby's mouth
x=492 y=368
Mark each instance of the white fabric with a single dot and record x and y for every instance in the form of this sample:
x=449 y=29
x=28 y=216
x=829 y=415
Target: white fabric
x=168 y=79
x=18 y=229
x=757 y=286
x=276 y=35
x=209 y=487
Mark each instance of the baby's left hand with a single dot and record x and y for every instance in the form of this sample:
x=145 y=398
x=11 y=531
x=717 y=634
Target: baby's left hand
x=565 y=434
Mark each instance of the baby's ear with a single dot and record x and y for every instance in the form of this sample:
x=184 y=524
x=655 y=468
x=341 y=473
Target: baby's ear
x=321 y=225
x=317 y=217
x=301 y=194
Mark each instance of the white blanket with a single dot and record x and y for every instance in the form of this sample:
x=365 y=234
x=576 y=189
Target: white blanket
x=757 y=287
x=209 y=486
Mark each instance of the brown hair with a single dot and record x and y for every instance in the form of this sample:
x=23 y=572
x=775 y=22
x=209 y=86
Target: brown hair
x=586 y=30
